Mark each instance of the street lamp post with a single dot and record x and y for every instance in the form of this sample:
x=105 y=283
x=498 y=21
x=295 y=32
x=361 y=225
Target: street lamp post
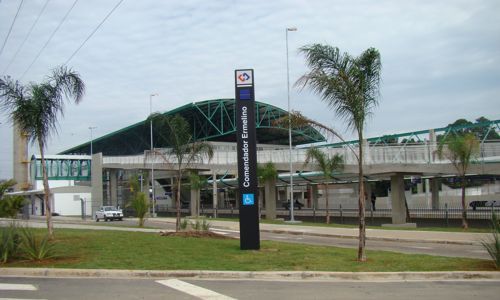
x=292 y=219
x=91 y=128
x=152 y=152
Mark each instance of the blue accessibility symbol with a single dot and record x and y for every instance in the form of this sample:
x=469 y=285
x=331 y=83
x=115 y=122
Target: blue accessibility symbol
x=248 y=199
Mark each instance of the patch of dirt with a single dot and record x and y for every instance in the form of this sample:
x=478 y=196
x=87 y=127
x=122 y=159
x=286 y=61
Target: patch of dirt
x=196 y=234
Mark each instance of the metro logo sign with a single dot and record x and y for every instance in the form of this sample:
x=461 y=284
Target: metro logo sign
x=244 y=77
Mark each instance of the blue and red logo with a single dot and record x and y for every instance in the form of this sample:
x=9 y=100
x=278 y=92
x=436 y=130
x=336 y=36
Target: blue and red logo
x=244 y=77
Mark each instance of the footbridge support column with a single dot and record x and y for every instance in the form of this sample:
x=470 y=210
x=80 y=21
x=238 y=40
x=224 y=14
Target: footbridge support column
x=96 y=174
x=398 y=199
x=113 y=187
x=195 y=202
x=270 y=196
x=435 y=183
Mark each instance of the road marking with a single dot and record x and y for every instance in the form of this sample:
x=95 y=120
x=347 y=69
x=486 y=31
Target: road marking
x=19 y=299
x=17 y=287
x=193 y=290
x=420 y=247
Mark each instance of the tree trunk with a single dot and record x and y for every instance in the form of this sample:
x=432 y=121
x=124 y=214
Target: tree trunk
x=465 y=225
x=327 y=211
x=46 y=196
x=362 y=225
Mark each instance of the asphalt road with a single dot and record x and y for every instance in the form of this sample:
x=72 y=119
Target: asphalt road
x=124 y=289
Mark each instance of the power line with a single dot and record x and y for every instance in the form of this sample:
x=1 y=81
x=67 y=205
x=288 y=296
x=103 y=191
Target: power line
x=11 y=25
x=27 y=36
x=94 y=31
x=50 y=38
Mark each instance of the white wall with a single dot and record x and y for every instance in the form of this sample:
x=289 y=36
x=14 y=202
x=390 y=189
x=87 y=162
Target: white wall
x=65 y=205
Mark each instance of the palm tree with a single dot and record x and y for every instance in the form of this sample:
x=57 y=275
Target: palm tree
x=350 y=86
x=460 y=150
x=327 y=165
x=267 y=175
x=35 y=108
x=183 y=150
x=139 y=201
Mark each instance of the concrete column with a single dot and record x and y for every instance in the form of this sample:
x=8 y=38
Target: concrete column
x=397 y=199
x=435 y=184
x=195 y=202
x=20 y=160
x=214 y=192
x=368 y=193
x=113 y=187
x=260 y=192
x=314 y=195
x=270 y=195
x=96 y=173
x=428 y=192
x=420 y=188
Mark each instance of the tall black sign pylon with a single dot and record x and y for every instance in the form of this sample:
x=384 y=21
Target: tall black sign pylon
x=247 y=160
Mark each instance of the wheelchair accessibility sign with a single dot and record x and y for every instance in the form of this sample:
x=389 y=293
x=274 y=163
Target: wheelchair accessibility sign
x=248 y=199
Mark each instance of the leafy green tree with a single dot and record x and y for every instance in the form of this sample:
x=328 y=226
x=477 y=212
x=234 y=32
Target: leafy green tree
x=182 y=150
x=485 y=132
x=460 y=150
x=35 y=108
x=327 y=165
x=350 y=87
x=10 y=205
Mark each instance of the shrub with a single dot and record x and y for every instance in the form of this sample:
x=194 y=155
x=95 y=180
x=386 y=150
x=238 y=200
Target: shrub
x=141 y=206
x=35 y=248
x=10 y=241
x=493 y=245
x=184 y=224
x=205 y=226
x=197 y=225
x=11 y=205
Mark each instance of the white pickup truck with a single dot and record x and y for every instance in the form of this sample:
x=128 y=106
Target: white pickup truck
x=108 y=213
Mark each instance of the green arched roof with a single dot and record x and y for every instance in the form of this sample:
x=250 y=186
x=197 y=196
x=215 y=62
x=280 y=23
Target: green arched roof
x=210 y=120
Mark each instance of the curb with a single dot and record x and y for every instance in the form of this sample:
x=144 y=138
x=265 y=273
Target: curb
x=387 y=239
x=250 y=275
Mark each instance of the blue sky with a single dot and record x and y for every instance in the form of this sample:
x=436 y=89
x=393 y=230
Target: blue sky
x=441 y=59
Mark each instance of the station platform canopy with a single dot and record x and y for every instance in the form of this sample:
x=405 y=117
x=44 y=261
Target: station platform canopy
x=210 y=120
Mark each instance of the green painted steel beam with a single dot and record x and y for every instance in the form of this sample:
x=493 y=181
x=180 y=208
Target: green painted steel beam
x=211 y=120
x=446 y=130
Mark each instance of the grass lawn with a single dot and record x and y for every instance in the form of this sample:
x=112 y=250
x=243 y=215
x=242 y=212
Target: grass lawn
x=88 y=249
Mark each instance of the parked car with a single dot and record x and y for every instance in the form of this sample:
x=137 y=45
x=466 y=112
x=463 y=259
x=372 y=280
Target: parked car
x=477 y=203
x=108 y=213
x=492 y=203
x=296 y=204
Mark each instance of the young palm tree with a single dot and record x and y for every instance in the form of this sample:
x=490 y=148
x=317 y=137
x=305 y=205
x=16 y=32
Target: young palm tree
x=183 y=150
x=35 y=108
x=327 y=165
x=460 y=150
x=350 y=86
x=138 y=200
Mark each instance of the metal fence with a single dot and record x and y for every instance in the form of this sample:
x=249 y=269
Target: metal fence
x=447 y=216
